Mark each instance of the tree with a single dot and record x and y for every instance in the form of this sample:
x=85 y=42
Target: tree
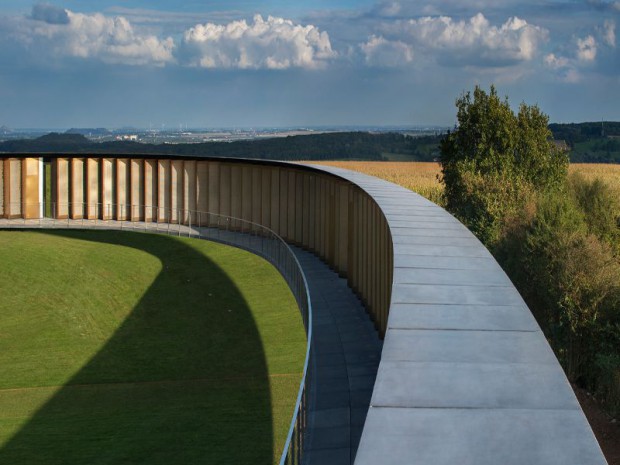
x=495 y=159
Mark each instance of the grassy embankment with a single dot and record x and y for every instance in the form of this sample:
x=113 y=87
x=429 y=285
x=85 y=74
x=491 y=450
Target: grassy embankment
x=134 y=348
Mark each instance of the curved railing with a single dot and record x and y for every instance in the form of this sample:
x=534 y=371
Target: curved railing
x=237 y=232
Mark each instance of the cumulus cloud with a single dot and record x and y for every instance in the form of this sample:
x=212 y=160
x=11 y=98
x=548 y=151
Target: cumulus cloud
x=473 y=42
x=274 y=43
x=51 y=31
x=385 y=53
x=586 y=49
x=572 y=60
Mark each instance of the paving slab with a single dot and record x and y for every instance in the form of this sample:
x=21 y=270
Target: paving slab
x=427 y=232
x=442 y=250
x=407 y=260
x=463 y=317
x=472 y=385
x=403 y=436
x=455 y=295
x=491 y=277
x=467 y=346
x=459 y=240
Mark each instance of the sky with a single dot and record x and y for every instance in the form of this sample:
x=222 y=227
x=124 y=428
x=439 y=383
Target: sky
x=287 y=63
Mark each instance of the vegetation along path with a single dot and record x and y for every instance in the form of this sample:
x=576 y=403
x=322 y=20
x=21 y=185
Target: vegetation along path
x=118 y=347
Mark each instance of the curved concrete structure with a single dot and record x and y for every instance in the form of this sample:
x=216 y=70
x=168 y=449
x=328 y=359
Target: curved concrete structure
x=466 y=376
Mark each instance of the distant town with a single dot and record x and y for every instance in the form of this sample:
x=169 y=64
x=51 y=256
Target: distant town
x=185 y=135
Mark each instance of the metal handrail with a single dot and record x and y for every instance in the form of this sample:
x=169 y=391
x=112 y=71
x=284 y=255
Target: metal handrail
x=121 y=216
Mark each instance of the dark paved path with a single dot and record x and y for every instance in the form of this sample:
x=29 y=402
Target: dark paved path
x=344 y=365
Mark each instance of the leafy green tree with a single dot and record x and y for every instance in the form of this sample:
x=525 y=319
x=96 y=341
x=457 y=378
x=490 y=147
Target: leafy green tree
x=495 y=159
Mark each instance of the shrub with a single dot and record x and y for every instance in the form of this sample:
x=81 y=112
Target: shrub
x=601 y=207
x=494 y=159
x=570 y=279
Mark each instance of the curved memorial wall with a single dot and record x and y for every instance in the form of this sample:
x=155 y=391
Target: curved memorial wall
x=466 y=375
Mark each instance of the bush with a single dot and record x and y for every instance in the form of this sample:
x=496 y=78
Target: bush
x=601 y=207
x=494 y=159
x=570 y=280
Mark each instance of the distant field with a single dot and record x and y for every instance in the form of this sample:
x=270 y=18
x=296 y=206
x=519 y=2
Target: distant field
x=121 y=347
x=423 y=177
x=609 y=173
x=420 y=177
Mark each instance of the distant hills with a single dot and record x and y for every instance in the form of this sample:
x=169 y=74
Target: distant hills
x=588 y=143
x=326 y=146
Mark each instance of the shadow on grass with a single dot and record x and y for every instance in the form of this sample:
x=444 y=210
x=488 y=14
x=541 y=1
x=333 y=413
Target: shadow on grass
x=183 y=380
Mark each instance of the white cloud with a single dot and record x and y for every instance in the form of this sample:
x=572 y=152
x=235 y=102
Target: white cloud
x=275 y=43
x=113 y=40
x=556 y=62
x=586 y=49
x=574 y=61
x=63 y=33
x=384 y=53
x=513 y=40
x=473 y=42
x=565 y=68
x=609 y=33
x=585 y=53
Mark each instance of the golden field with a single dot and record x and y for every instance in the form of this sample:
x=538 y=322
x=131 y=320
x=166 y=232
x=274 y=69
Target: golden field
x=610 y=174
x=423 y=177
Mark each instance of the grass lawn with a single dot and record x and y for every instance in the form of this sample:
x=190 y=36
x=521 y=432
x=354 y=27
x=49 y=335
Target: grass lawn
x=122 y=348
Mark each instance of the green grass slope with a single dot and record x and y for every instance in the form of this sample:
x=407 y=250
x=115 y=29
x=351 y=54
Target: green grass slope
x=122 y=348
